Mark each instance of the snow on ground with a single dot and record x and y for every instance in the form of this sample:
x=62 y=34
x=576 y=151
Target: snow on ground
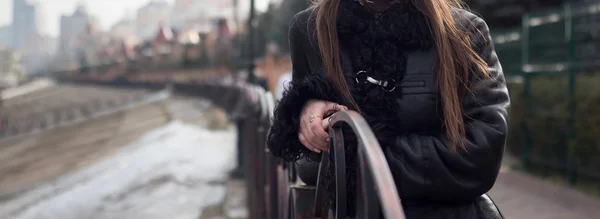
x=171 y=172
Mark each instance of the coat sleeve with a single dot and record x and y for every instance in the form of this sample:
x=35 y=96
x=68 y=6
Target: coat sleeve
x=300 y=66
x=430 y=170
x=282 y=139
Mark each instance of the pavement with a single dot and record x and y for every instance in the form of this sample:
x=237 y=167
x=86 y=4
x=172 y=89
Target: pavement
x=520 y=195
x=234 y=204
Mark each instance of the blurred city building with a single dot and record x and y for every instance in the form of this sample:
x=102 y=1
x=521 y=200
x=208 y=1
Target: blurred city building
x=71 y=28
x=197 y=14
x=165 y=47
x=91 y=46
x=11 y=71
x=124 y=29
x=25 y=26
x=157 y=29
x=5 y=35
x=191 y=15
x=24 y=36
x=219 y=41
x=149 y=16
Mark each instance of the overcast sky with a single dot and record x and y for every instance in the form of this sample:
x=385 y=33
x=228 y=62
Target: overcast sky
x=107 y=11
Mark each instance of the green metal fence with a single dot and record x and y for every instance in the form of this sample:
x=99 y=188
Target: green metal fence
x=556 y=101
x=508 y=48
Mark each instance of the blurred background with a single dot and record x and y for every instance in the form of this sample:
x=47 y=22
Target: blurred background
x=147 y=108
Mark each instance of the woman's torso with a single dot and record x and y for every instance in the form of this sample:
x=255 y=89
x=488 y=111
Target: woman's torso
x=413 y=107
x=396 y=45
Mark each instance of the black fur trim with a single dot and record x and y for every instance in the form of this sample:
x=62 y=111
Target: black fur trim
x=283 y=139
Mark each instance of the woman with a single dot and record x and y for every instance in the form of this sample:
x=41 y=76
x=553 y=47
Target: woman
x=425 y=76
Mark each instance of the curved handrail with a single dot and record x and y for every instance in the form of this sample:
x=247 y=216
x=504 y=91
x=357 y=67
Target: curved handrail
x=371 y=162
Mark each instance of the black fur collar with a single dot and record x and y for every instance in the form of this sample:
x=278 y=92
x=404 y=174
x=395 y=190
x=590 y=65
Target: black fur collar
x=378 y=44
x=402 y=23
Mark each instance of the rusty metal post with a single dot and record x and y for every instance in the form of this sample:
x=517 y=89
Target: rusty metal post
x=260 y=122
x=249 y=141
x=261 y=175
x=252 y=152
x=238 y=172
x=303 y=202
x=273 y=191
x=251 y=64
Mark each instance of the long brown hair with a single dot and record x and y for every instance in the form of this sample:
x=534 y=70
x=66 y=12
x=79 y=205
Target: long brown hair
x=455 y=58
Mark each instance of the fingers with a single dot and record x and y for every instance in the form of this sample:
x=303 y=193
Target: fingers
x=325 y=123
x=309 y=136
x=318 y=130
x=319 y=135
x=313 y=134
x=336 y=107
x=305 y=129
x=306 y=144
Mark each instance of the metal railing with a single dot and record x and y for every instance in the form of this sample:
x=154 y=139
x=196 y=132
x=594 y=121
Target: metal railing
x=271 y=183
x=377 y=193
x=248 y=104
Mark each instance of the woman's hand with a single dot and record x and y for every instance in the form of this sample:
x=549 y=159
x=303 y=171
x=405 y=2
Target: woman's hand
x=312 y=132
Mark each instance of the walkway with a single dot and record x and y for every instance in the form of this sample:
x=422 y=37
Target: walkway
x=520 y=195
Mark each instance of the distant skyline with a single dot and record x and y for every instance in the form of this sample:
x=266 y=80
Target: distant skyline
x=108 y=12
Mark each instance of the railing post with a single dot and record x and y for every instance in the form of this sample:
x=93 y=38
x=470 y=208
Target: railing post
x=253 y=150
x=271 y=186
x=238 y=172
x=570 y=166
x=251 y=76
x=526 y=147
x=249 y=141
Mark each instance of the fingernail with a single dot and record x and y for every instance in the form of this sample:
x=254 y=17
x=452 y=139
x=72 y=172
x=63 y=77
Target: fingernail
x=317 y=150
x=327 y=139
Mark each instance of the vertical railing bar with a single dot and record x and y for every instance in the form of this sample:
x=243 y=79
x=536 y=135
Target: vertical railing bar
x=320 y=191
x=339 y=156
x=282 y=191
x=571 y=174
x=525 y=157
x=371 y=206
x=361 y=195
x=261 y=132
